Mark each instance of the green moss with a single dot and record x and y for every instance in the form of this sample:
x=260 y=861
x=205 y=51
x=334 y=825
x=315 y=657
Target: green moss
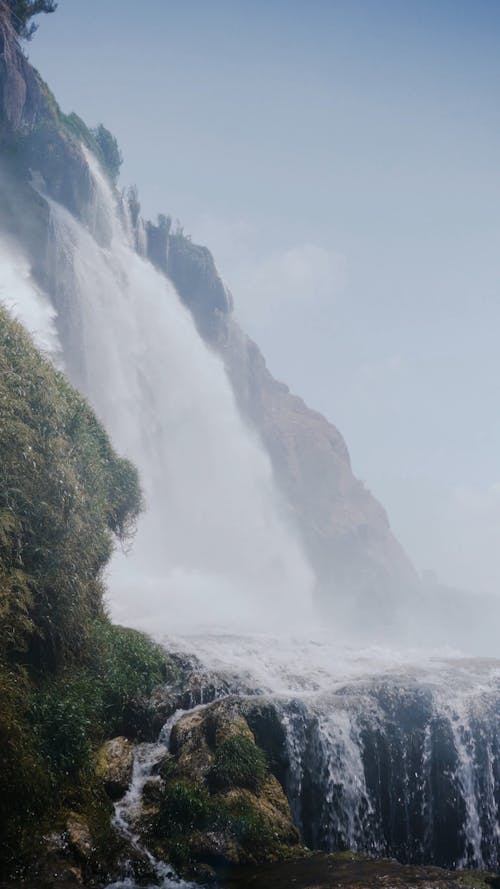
x=248 y=827
x=185 y=806
x=238 y=763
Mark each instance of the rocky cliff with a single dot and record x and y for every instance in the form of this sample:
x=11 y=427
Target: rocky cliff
x=345 y=531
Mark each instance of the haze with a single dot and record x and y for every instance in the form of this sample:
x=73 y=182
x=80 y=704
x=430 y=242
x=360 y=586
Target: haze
x=341 y=161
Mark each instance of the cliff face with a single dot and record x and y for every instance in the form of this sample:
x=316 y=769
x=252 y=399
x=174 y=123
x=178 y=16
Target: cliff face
x=34 y=134
x=345 y=531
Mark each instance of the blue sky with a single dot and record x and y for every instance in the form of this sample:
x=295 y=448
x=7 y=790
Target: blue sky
x=341 y=159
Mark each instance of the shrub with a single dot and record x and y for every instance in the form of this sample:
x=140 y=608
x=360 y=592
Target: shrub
x=110 y=151
x=185 y=806
x=22 y=11
x=126 y=665
x=73 y=712
x=63 y=717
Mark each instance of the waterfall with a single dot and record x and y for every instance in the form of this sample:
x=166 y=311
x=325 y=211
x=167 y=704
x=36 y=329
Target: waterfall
x=212 y=546
x=390 y=753
x=27 y=302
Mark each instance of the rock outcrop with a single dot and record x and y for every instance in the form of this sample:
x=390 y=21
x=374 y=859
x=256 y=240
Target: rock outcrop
x=114 y=766
x=216 y=801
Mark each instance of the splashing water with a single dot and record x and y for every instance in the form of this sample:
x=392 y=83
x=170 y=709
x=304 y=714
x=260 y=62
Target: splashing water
x=26 y=302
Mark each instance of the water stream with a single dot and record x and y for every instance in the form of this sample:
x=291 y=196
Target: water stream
x=146 y=757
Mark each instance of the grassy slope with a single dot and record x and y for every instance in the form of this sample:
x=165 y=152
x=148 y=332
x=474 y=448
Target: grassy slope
x=67 y=676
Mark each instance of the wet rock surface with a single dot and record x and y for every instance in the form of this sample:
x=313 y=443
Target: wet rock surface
x=354 y=872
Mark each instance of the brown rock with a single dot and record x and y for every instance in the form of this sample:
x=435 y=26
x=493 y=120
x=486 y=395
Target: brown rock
x=79 y=836
x=114 y=766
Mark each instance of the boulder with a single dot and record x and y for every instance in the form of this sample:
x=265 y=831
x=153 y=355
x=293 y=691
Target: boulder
x=79 y=837
x=114 y=766
x=220 y=804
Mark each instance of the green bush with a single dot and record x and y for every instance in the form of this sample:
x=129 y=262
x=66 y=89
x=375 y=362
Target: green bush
x=64 y=723
x=74 y=712
x=109 y=150
x=22 y=11
x=126 y=666
x=185 y=806
x=238 y=763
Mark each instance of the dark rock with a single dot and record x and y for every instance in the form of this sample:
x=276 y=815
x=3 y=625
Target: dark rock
x=349 y=871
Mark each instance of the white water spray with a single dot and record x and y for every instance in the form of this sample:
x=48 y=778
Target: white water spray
x=212 y=547
x=26 y=302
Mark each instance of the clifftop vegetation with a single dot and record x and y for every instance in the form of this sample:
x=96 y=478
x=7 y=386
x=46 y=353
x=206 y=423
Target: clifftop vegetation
x=22 y=11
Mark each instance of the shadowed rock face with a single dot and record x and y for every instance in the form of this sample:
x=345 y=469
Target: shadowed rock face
x=346 y=871
x=33 y=137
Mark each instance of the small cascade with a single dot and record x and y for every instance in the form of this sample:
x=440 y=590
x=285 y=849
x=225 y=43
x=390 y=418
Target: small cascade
x=396 y=766
x=146 y=758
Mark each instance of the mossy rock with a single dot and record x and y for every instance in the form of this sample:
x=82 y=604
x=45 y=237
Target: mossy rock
x=238 y=763
x=114 y=766
x=221 y=805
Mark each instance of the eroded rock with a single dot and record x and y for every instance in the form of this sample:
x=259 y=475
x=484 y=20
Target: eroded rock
x=114 y=766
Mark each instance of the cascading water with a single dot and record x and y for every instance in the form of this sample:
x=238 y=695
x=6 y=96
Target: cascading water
x=212 y=541
x=19 y=293
x=389 y=753
x=146 y=757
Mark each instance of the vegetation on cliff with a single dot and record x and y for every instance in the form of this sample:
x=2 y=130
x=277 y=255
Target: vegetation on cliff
x=22 y=11
x=68 y=678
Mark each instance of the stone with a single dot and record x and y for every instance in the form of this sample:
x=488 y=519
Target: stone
x=114 y=766
x=79 y=836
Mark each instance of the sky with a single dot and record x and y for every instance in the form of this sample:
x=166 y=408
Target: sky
x=341 y=160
